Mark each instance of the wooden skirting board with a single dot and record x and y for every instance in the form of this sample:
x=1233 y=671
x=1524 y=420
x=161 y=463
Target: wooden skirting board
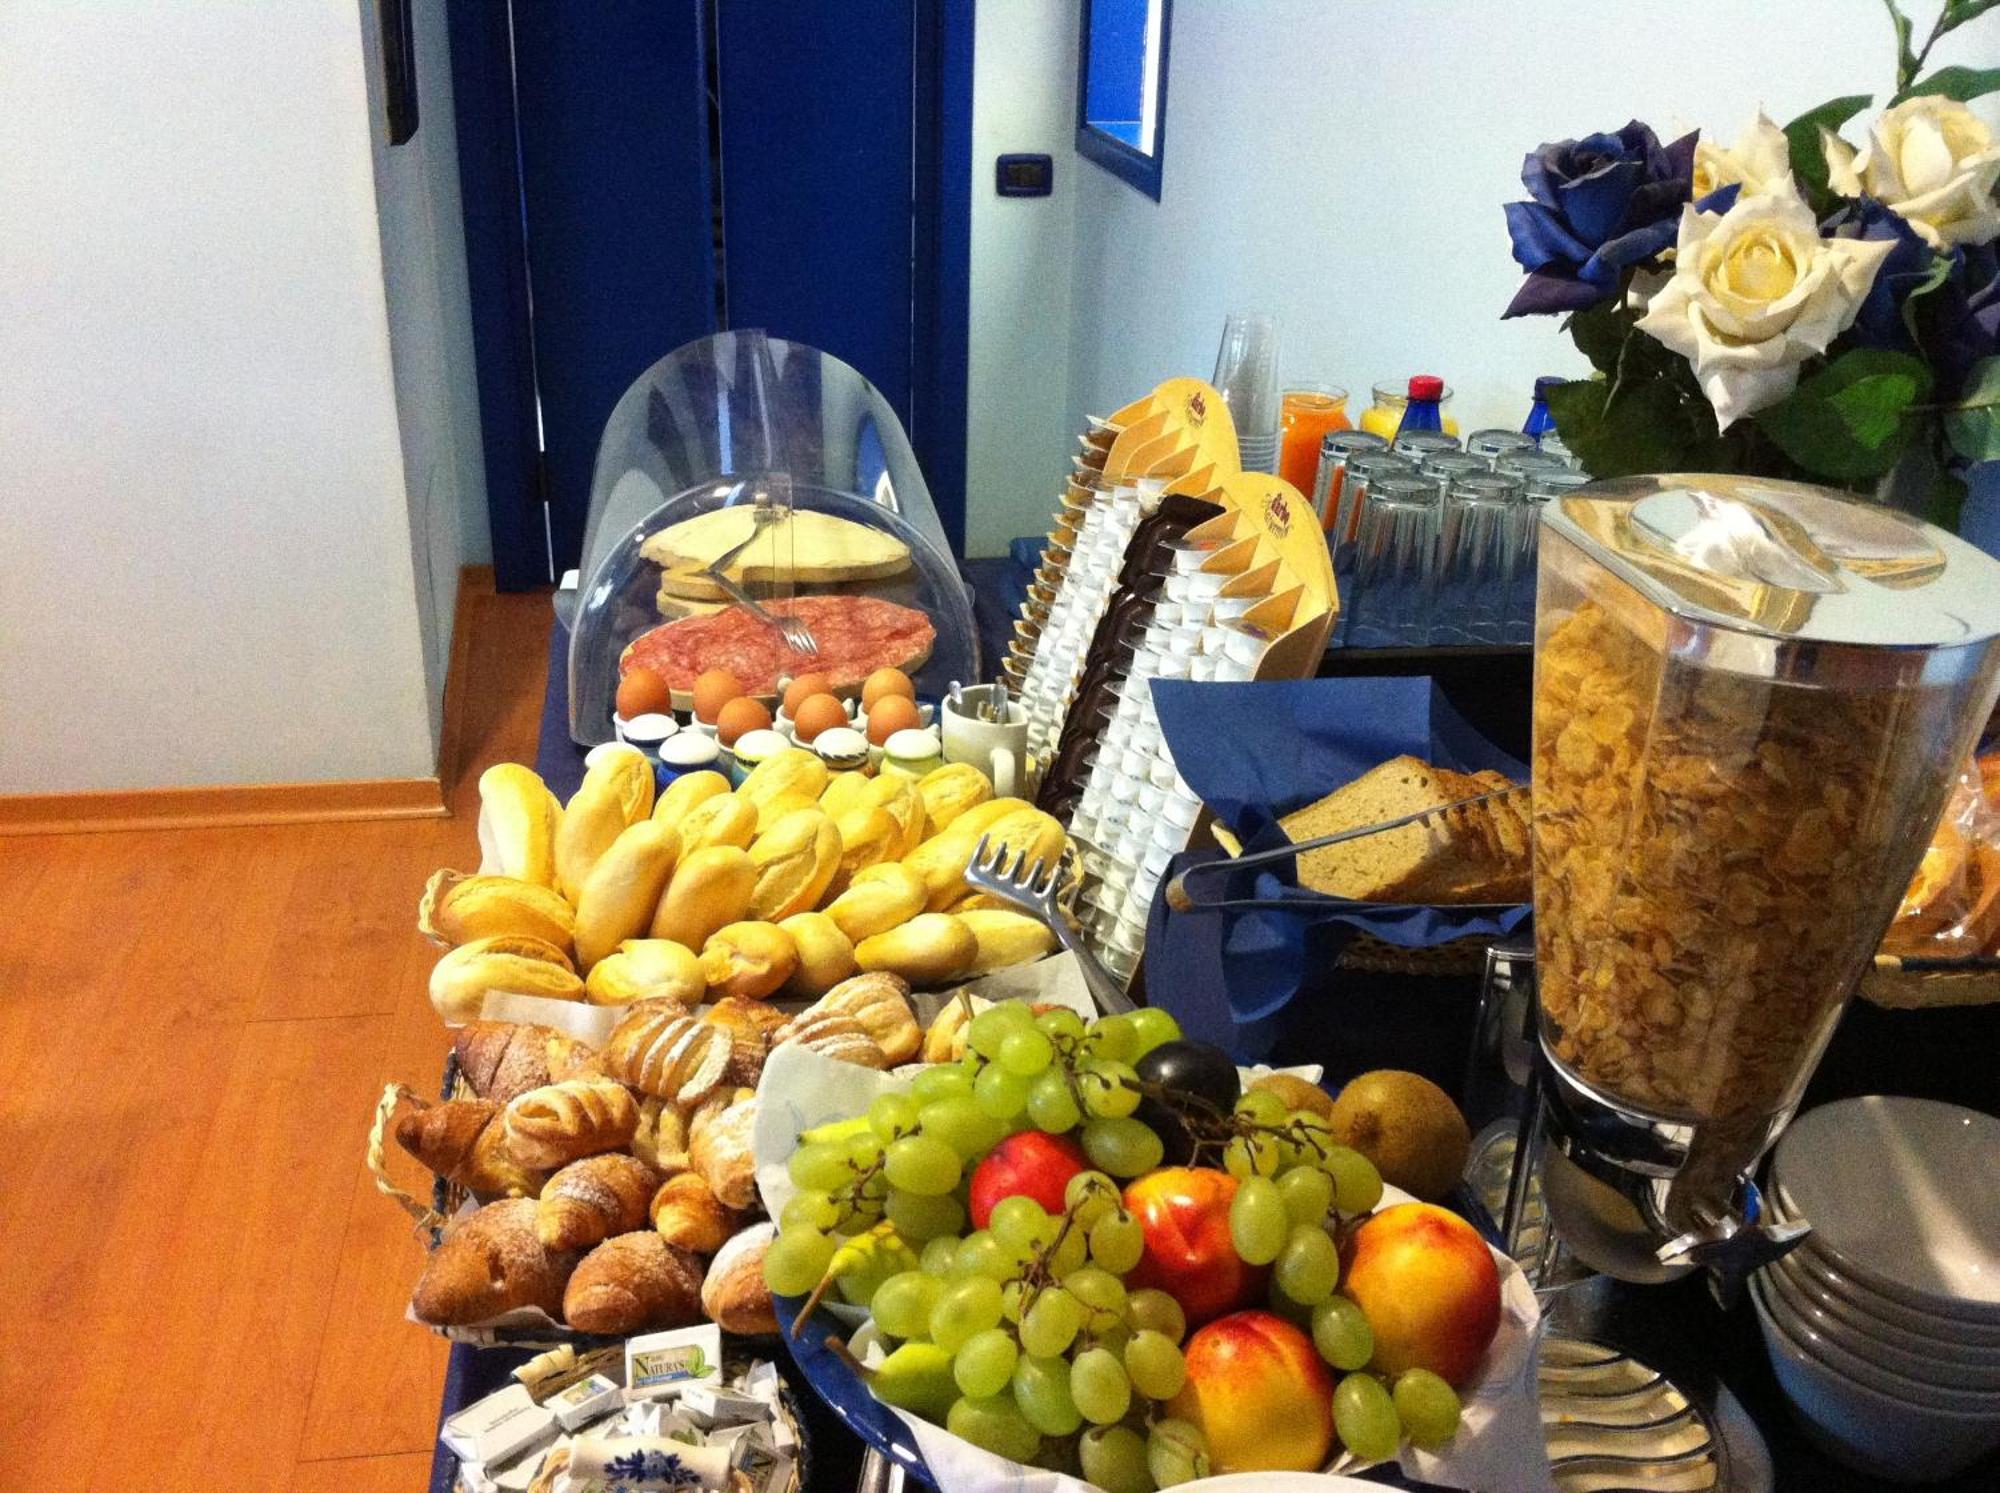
x=220 y=806
x=226 y=804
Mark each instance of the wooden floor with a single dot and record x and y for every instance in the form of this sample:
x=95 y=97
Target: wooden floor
x=199 y=1286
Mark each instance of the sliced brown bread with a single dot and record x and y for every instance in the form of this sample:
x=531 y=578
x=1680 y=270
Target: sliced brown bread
x=1473 y=854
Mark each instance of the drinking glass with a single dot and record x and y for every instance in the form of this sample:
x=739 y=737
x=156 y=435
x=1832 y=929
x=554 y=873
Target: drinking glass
x=1334 y=454
x=1309 y=413
x=1476 y=557
x=1487 y=444
x=1394 y=557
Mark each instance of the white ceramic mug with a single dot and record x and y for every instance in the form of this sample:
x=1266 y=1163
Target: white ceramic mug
x=996 y=748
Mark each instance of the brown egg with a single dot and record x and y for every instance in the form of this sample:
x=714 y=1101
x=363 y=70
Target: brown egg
x=890 y=714
x=817 y=713
x=738 y=716
x=886 y=682
x=804 y=688
x=712 y=690
x=642 y=692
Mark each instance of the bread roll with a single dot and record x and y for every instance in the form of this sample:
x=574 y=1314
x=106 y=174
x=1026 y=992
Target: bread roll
x=623 y=889
x=772 y=809
x=660 y=1049
x=844 y=791
x=517 y=824
x=896 y=795
x=645 y=969
x=793 y=771
x=825 y=954
x=689 y=1216
x=458 y=909
x=1004 y=938
x=723 y=820
x=616 y=792
x=869 y=835
x=633 y=1283
x=491 y=1263
x=750 y=959
x=884 y=897
x=734 y=1294
x=593 y=1199
x=795 y=859
x=949 y=791
x=462 y=979
x=502 y=1060
x=710 y=887
x=550 y=1127
x=719 y=1150
x=687 y=792
x=929 y=949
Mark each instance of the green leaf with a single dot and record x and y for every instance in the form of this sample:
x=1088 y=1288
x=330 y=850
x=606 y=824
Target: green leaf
x=1906 y=60
x=1599 y=333
x=1961 y=83
x=1645 y=429
x=1972 y=425
x=1958 y=12
x=1935 y=276
x=1853 y=418
x=1802 y=135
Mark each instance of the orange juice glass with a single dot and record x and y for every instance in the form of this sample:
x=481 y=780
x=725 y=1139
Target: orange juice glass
x=1308 y=414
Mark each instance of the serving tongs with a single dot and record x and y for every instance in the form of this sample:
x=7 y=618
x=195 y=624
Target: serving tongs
x=1180 y=899
x=763 y=513
x=1039 y=889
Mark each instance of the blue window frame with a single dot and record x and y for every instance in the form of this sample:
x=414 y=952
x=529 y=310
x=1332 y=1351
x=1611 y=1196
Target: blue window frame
x=1121 y=88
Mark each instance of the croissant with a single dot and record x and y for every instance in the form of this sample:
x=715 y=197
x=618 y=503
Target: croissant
x=552 y=1126
x=590 y=1200
x=734 y=1293
x=490 y=1264
x=464 y=1142
x=661 y=1050
x=719 y=1150
x=633 y=1283
x=503 y=1059
x=688 y=1214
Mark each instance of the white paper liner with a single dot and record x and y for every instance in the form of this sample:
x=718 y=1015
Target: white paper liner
x=587 y=1023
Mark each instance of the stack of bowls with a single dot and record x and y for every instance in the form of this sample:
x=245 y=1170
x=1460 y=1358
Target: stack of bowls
x=1884 y=1325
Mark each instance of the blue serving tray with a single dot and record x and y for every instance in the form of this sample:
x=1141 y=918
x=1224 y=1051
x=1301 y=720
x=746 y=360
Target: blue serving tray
x=843 y=1391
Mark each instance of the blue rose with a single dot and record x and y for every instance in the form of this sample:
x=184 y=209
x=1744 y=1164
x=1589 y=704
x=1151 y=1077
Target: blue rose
x=1961 y=322
x=1599 y=206
x=1879 y=322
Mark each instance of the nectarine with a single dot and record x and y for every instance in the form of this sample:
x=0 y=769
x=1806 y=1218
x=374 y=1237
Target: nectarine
x=1030 y=1163
x=1258 y=1390
x=1429 y=1287
x=1184 y=1211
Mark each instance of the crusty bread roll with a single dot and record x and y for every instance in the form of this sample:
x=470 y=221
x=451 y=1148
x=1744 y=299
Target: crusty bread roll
x=1005 y=937
x=881 y=897
x=929 y=949
x=688 y=1214
x=623 y=889
x=725 y=820
x=949 y=791
x=517 y=824
x=748 y=959
x=710 y=889
x=644 y=969
x=466 y=975
x=825 y=954
x=633 y=1283
x=552 y=1126
x=686 y=792
x=616 y=792
x=735 y=1295
x=844 y=791
x=793 y=772
x=795 y=860
x=491 y=1263
x=594 y=1198
x=660 y=1049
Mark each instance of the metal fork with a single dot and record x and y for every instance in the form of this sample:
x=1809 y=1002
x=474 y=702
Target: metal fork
x=798 y=637
x=1032 y=888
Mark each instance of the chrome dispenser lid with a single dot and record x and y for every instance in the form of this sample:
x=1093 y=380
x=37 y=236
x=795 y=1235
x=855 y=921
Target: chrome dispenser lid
x=1784 y=560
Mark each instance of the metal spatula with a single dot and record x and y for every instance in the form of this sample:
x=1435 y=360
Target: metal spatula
x=1034 y=889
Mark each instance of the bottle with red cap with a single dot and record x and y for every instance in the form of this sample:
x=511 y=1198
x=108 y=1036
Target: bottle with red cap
x=1422 y=413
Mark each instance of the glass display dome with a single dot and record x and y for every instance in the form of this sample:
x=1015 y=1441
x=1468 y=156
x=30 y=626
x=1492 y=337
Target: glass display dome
x=787 y=470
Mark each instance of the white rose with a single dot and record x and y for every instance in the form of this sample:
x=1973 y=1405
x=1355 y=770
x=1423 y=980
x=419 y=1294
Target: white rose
x=1761 y=159
x=1932 y=160
x=1755 y=292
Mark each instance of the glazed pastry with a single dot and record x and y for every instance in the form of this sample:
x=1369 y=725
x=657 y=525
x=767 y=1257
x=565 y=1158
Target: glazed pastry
x=836 y=1036
x=659 y=1049
x=719 y=1150
x=464 y=1142
x=734 y=1294
x=661 y=1141
x=945 y=1041
x=590 y=1200
x=489 y=1264
x=880 y=1002
x=633 y=1283
x=550 y=1127
x=750 y=1026
x=502 y=1060
x=689 y=1215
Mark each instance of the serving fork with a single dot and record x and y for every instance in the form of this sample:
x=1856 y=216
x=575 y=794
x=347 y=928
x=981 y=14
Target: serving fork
x=763 y=513
x=1038 y=890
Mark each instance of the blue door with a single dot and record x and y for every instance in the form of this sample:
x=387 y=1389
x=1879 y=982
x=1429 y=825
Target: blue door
x=637 y=174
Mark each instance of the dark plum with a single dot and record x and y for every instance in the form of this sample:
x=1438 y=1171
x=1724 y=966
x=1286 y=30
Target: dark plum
x=1185 y=1067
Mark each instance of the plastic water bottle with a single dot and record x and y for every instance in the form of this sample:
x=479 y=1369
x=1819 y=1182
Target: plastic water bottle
x=1422 y=413
x=1540 y=421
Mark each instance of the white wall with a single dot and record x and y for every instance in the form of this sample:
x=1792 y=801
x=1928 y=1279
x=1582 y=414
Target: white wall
x=1343 y=166
x=1017 y=373
x=208 y=564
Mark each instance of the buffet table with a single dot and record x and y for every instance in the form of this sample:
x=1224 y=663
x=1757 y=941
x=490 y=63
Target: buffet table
x=1423 y=1024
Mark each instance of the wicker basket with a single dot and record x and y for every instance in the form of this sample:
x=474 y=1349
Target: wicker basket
x=1461 y=956
x=1912 y=985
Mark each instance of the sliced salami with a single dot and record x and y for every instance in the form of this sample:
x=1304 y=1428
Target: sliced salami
x=856 y=635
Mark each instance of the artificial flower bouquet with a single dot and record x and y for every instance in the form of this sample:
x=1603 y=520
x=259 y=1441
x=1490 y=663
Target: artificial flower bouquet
x=1789 y=305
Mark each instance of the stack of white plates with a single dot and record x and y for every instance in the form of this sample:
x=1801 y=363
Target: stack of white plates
x=1884 y=1325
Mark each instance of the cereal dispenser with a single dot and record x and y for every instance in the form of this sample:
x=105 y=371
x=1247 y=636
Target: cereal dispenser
x=1750 y=699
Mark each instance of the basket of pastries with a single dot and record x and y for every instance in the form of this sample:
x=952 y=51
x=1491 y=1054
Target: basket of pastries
x=616 y=973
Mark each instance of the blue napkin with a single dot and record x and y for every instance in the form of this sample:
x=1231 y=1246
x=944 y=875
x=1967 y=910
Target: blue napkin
x=1254 y=753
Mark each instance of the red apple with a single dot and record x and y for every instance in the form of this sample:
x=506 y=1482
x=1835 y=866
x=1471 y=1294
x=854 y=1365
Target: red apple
x=1260 y=1393
x=1430 y=1289
x=1184 y=1211
x=1031 y=1164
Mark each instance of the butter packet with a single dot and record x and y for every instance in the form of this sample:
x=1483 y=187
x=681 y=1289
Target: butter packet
x=504 y=1425
x=708 y=1405
x=661 y=1364
x=586 y=1400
